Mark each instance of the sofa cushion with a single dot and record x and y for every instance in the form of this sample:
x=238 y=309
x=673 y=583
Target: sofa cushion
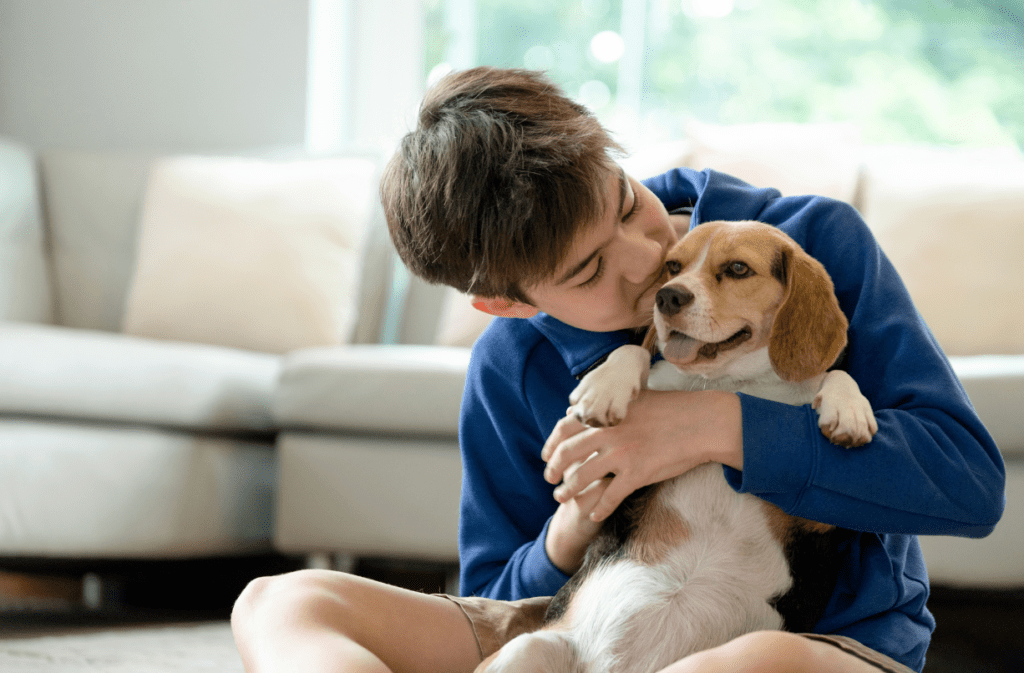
x=69 y=373
x=400 y=389
x=92 y=206
x=24 y=272
x=794 y=158
x=72 y=490
x=460 y=323
x=368 y=495
x=951 y=223
x=255 y=254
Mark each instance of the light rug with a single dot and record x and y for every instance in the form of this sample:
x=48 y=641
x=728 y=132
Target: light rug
x=195 y=648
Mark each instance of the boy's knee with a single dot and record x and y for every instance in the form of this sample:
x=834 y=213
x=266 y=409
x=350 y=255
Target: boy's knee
x=773 y=644
x=286 y=594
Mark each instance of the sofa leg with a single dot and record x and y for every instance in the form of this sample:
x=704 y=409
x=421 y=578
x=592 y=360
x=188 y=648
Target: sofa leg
x=345 y=563
x=451 y=581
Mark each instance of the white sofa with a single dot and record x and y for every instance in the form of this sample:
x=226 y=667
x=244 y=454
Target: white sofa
x=147 y=444
x=125 y=438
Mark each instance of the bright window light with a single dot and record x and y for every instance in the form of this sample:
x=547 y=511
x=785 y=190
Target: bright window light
x=595 y=94
x=607 y=46
x=900 y=72
x=709 y=9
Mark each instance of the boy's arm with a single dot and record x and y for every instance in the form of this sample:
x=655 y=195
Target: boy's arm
x=505 y=500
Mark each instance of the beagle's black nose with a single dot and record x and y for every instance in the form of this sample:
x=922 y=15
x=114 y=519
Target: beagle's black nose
x=671 y=300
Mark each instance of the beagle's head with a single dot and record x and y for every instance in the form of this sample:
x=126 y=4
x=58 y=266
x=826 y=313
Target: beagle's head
x=734 y=290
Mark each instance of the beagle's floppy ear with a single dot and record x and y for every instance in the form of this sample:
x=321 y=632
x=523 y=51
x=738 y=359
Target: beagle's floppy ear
x=809 y=331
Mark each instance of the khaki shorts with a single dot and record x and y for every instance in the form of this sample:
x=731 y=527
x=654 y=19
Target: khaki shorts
x=494 y=623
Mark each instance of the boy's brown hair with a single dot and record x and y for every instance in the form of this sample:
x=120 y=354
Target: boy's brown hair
x=488 y=192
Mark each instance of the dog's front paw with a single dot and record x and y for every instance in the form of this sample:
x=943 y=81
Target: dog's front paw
x=601 y=399
x=844 y=414
x=603 y=396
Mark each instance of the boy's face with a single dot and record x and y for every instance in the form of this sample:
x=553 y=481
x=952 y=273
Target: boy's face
x=610 y=276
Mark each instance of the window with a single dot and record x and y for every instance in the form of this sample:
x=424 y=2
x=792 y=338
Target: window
x=924 y=71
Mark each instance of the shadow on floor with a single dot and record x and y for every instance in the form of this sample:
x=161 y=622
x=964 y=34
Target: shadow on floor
x=977 y=631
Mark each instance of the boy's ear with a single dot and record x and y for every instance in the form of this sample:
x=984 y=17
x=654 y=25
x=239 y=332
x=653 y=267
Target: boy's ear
x=503 y=308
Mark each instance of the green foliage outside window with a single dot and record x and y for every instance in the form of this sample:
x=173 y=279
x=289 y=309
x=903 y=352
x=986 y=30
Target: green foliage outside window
x=939 y=71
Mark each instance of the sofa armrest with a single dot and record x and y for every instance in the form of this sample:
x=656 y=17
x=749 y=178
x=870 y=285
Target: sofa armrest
x=399 y=389
x=995 y=384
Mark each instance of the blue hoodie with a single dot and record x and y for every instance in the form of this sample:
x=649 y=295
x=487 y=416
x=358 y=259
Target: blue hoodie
x=931 y=469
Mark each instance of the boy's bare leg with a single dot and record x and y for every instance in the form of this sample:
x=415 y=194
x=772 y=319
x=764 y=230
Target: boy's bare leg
x=772 y=652
x=321 y=621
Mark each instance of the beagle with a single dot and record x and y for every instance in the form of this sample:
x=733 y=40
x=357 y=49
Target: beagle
x=689 y=563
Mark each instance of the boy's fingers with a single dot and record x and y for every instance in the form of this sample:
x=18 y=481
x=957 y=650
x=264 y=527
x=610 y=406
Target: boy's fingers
x=578 y=477
x=572 y=450
x=565 y=428
x=588 y=498
x=612 y=497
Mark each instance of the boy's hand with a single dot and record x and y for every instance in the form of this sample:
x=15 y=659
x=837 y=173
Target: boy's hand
x=572 y=530
x=665 y=434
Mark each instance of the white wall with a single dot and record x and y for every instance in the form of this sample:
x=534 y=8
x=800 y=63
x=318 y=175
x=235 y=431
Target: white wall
x=366 y=72
x=179 y=75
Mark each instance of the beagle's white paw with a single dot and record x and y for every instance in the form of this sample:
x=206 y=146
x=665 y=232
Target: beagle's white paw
x=603 y=396
x=844 y=414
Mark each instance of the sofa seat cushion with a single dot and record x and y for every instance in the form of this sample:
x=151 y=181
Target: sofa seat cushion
x=401 y=389
x=81 y=490
x=368 y=495
x=83 y=374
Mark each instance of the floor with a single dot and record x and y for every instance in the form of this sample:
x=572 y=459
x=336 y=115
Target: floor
x=977 y=632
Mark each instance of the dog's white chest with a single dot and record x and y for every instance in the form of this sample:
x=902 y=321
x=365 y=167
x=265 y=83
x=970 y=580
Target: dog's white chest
x=765 y=383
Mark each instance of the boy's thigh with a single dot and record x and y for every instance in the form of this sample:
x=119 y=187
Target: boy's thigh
x=785 y=652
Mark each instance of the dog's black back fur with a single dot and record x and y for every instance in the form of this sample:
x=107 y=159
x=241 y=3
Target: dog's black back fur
x=814 y=566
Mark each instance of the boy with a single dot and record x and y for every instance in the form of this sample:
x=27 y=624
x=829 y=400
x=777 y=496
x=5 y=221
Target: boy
x=507 y=190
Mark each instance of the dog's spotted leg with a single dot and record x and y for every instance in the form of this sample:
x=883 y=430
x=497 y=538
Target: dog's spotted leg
x=604 y=394
x=844 y=414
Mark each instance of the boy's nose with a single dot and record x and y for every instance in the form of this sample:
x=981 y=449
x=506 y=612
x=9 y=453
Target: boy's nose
x=644 y=258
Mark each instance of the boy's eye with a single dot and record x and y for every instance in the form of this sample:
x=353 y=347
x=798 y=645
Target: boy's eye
x=597 y=274
x=633 y=209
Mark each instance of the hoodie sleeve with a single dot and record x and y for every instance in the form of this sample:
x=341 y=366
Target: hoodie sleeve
x=505 y=499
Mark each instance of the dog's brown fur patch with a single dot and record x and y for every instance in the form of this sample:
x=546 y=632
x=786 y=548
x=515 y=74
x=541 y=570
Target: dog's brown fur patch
x=657 y=531
x=783 y=526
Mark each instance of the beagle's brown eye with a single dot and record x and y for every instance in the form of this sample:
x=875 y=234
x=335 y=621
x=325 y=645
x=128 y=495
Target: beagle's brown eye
x=738 y=270
x=673 y=267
